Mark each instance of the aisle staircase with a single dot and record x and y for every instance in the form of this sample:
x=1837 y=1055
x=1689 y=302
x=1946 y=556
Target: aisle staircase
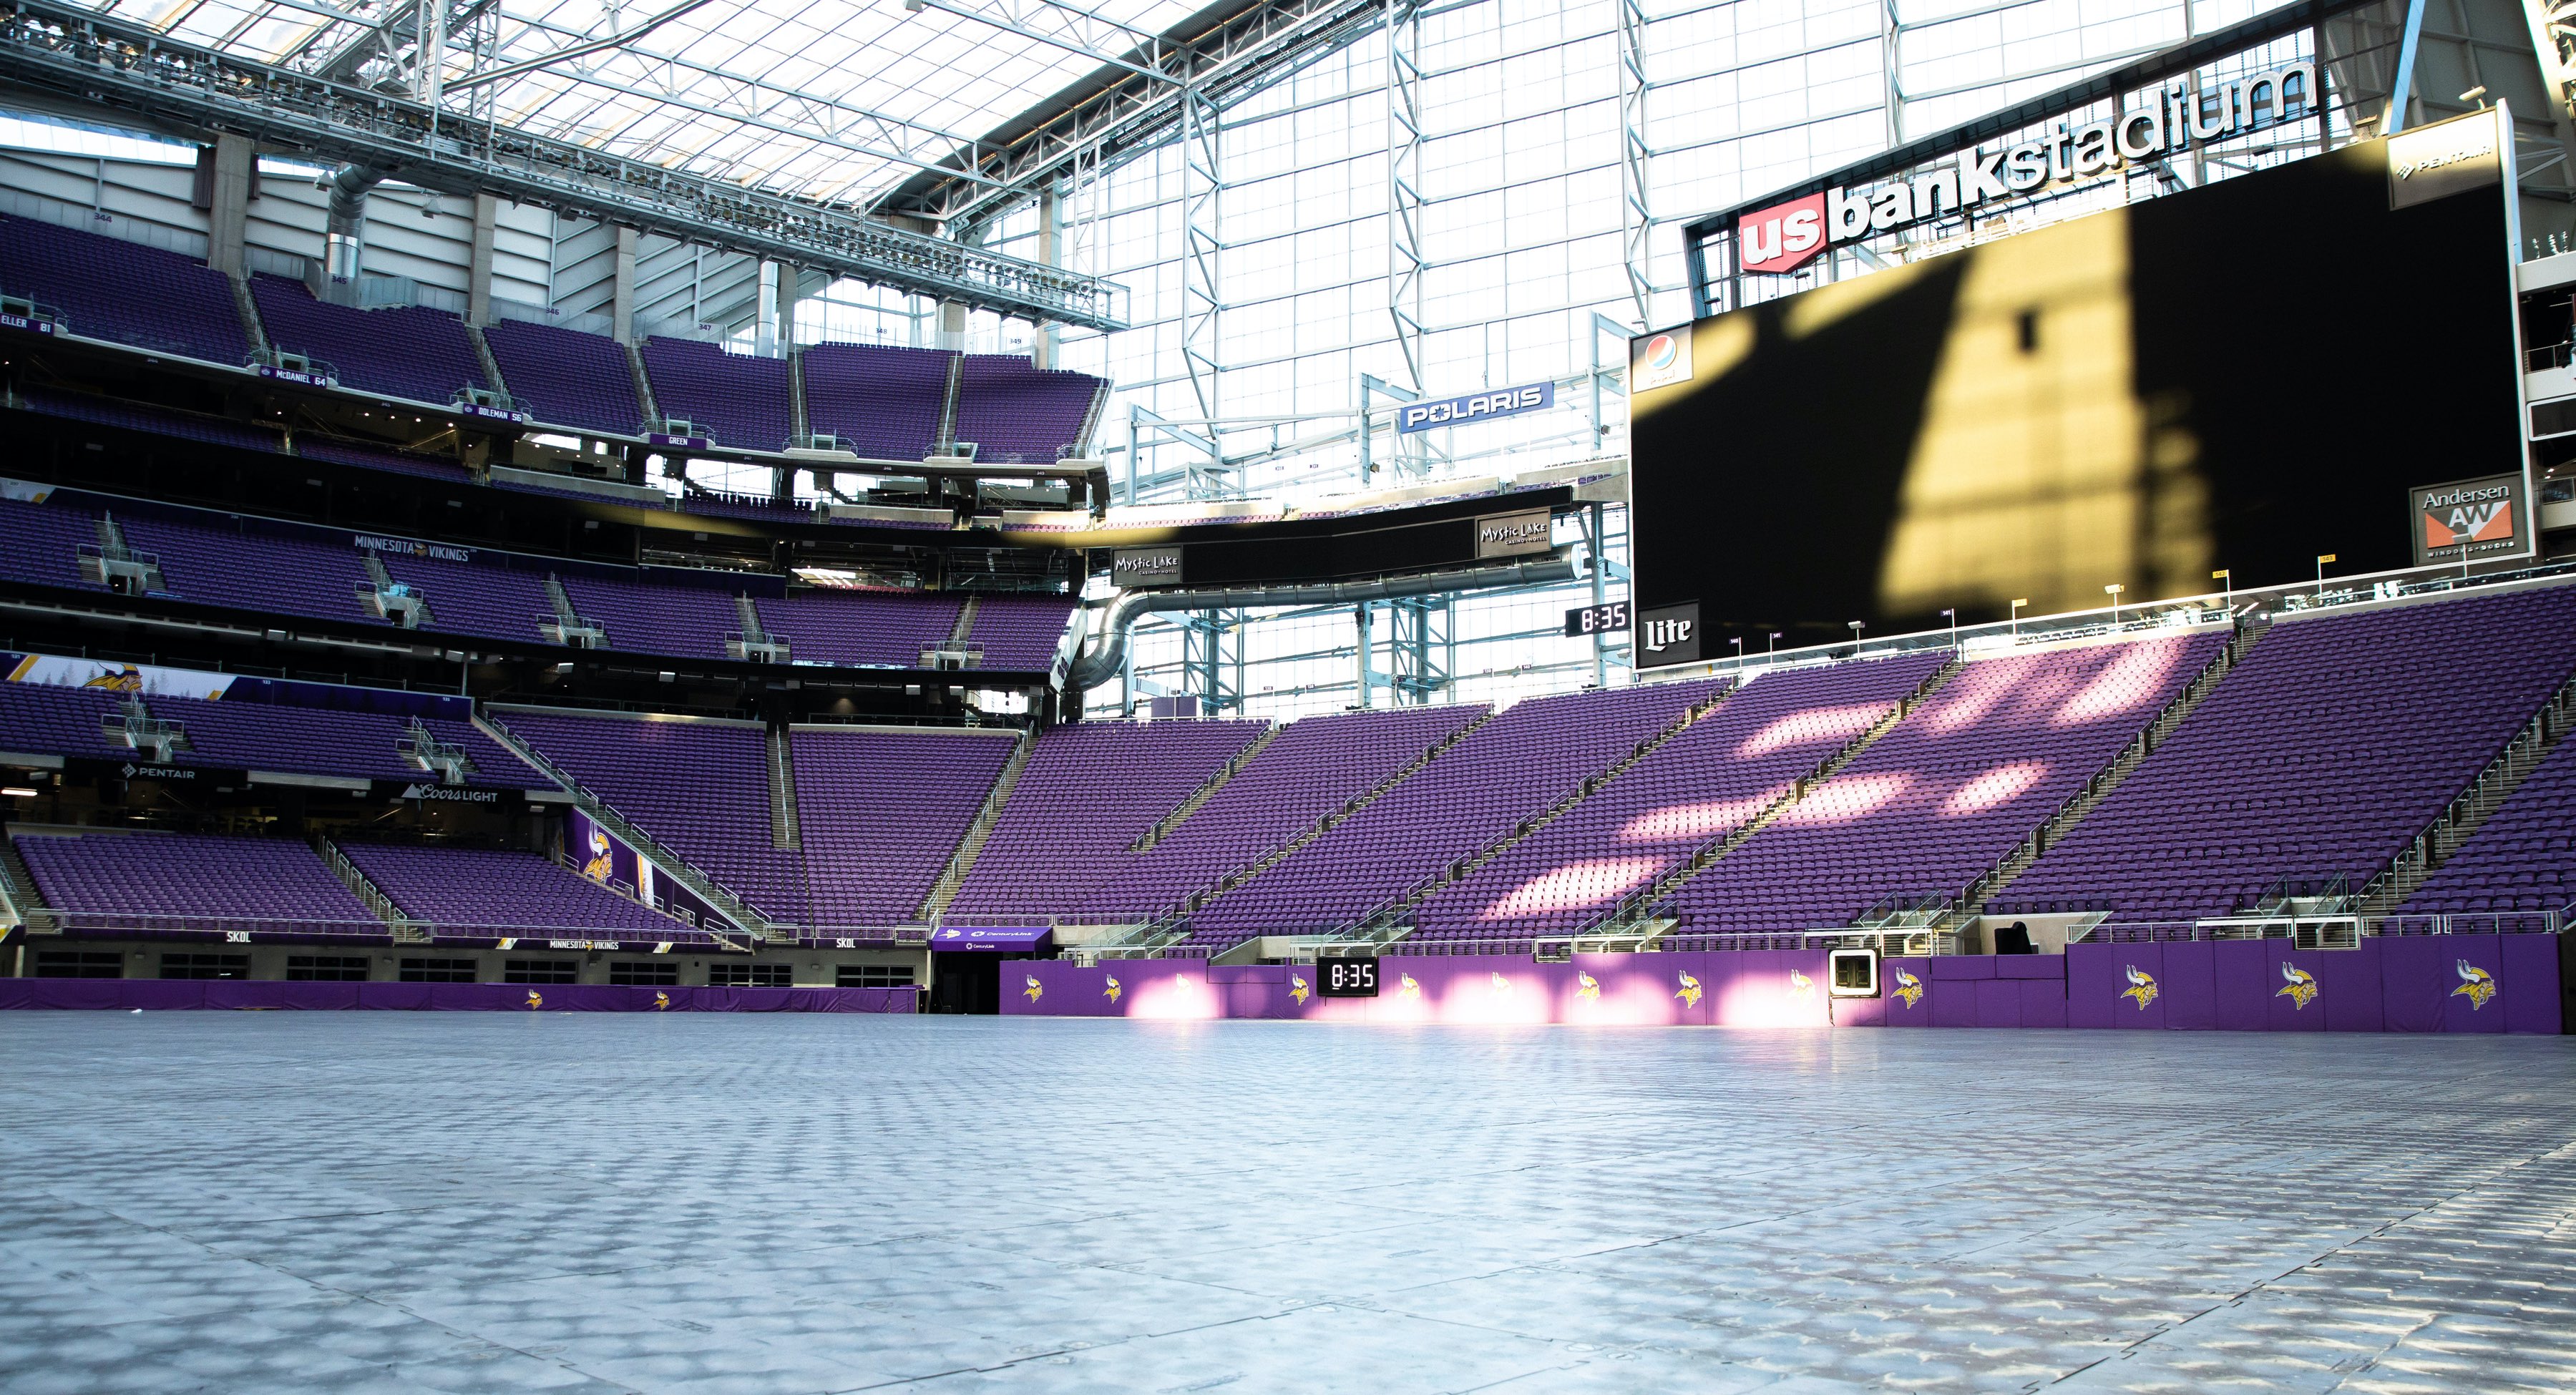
x=2084 y=801
x=24 y=903
x=961 y=862
x=1391 y=922
x=2460 y=820
x=403 y=928
x=1636 y=913
x=784 y=831
x=1207 y=790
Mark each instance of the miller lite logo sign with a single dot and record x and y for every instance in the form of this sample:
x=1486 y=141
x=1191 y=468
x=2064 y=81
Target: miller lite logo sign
x=1667 y=635
x=2468 y=519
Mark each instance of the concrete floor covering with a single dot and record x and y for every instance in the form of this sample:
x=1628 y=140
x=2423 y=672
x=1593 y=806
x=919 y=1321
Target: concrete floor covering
x=471 y=1202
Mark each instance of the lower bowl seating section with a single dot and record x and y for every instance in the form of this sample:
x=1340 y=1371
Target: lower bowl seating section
x=408 y=351
x=880 y=814
x=1020 y=632
x=649 y=617
x=192 y=883
x=138 y=416
x=738 y=400
x=859 y=628
x=403 y=462
x=1470 y=797
x=1014 y=412
x=112 y=289
x=475 y=598
x=1690 y=793
x=699 y=788
x=1088 y=791
x=882 y=402
x=1951 y=791
x=1310 y=771
x=2522 y=859
x=470 y=891
x=2324 y=754
x=43 y=719
x=215 y=566
x=563 y=377
x=41 y=543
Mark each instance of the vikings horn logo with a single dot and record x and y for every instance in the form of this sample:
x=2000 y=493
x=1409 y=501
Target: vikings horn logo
x=1800 y=986
x=1297 y=988
x=661 y=1001
x=535 y=1000
x=1501 y=985
x=1034 y=990
x=598 y=867
x=1111 y=992
x=1689 y=992
x=1587 y=987
x=127 y=680
x=1909 y=988
x=2142 y=986
x=2476 y=985
x=2297 y=985
x=1410 y=989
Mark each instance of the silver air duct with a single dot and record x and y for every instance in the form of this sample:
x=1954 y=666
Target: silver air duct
x=1109 y=652
x=348 y=219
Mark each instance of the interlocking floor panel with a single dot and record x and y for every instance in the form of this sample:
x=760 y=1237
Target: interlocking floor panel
x=381 y=1202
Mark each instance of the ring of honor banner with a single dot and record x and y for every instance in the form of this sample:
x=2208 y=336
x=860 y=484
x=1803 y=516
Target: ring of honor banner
x=591 y=849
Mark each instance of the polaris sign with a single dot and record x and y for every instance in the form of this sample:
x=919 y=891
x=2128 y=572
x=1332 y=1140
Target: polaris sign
x=1780 y=239
x=1475 y=406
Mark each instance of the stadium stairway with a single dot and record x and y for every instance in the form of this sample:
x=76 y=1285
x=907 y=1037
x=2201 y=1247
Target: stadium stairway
x=1174 y=927
x=617 y=823
x=1224 y=776
x=961 y=862
x=965 y=625
x=26 y=903
x=784 y=831
x=483 y=356
x=1633 y=915
x=2248 y=633
x=404 y=930
x=1393 y=923
x=643 y=385
x=2463 y=817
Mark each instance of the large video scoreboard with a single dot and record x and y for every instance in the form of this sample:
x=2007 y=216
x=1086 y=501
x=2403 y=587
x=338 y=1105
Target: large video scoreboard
x=2242 y=376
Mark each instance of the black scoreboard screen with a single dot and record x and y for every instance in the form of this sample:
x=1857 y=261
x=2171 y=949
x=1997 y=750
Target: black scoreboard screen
x=1346 y=978
x=2137 y=397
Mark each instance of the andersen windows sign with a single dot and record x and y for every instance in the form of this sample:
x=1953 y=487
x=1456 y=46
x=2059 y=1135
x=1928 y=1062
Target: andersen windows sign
x=1780 y=239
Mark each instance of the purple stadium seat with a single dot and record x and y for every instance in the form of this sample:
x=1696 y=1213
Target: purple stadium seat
x=108 y=288
x=2322 y=755
x=408 y=351
x=882 y=811
x=883 y=403
x=1951 y=791
x=1689 y=793
x=1089 y=790
x=1012 y=411
x=563 y=377
x=465 y=890
x=175 y=881
x=739 y=400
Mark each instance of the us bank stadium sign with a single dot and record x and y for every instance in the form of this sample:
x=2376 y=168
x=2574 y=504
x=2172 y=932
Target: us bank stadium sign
x=1778 y=240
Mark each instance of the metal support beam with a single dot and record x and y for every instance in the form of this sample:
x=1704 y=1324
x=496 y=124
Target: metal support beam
x=1202 y=246
x=2401 y=84
x=1405 y=262
x=1638 y=213
x=68 y=51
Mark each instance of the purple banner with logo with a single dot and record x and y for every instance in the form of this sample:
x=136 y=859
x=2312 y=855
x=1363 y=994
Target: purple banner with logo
x=168 y=995
x=595 y=852
x=2394 y=983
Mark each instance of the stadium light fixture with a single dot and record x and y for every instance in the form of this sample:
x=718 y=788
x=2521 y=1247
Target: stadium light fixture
x=1738 y=642
x=2226 y=578
x=2018 y=603
x=1952 y=615
x=18 y=792
x=1856 y=627
x=2325 y=557
x=2113 y=591
x=1771 y=648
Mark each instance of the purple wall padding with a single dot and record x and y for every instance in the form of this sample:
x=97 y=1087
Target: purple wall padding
x=2190 y=990
x=162 y=995
x=2532 y=1000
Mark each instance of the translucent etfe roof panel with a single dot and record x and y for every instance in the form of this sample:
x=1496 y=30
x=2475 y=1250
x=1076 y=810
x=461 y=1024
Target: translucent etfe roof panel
x=835 y=99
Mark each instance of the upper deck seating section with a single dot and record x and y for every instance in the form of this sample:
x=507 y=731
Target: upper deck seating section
x=1015 y=412
x=411 y=351
x=124 y=292
x=563 y=377
x=736 y=399
x=882 y=403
